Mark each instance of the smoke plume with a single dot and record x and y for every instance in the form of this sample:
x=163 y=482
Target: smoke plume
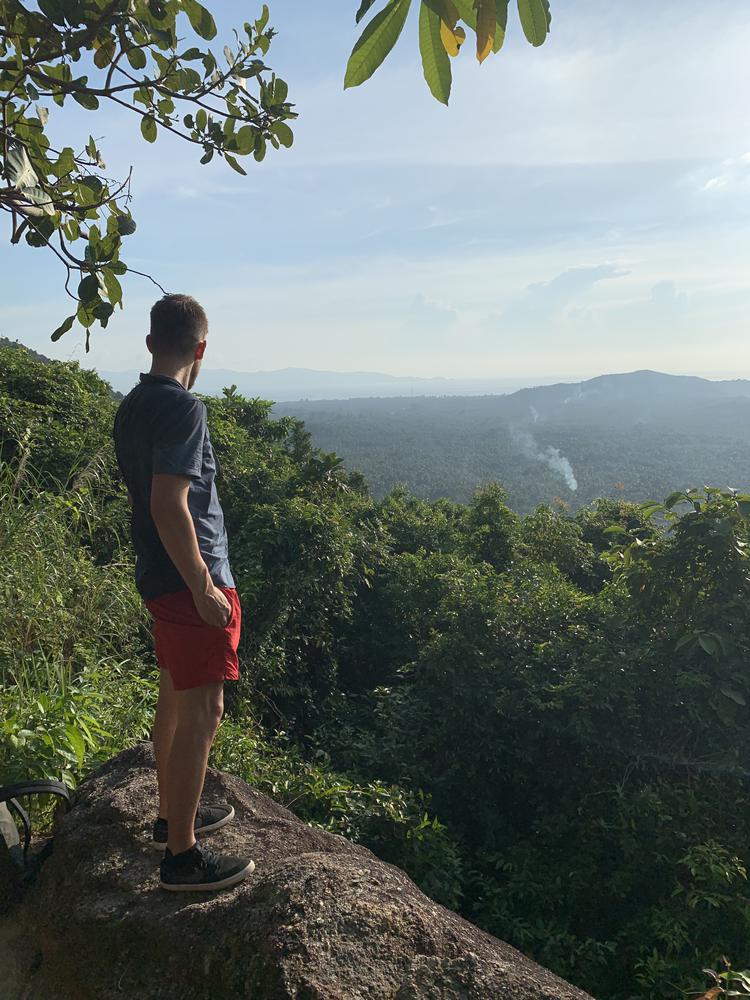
x=550 y=456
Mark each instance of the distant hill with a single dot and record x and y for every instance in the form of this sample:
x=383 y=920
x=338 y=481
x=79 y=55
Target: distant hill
x=309 y=383
x=637 y=435
x=6 y=342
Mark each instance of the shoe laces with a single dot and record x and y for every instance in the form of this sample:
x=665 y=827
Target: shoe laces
x=207 y=856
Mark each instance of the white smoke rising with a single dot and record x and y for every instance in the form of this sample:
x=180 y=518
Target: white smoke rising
x=534 y=413
x=550 y=456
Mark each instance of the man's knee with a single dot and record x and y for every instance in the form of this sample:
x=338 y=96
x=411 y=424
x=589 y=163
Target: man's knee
x=203 y=707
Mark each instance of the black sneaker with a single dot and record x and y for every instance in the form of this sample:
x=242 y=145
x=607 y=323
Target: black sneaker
x=200 y=869
x=207 y=818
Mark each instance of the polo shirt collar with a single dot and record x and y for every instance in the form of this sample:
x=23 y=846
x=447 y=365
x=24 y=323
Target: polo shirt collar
x=148 y=377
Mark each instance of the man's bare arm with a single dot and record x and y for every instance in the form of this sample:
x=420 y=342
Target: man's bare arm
x=171 y=515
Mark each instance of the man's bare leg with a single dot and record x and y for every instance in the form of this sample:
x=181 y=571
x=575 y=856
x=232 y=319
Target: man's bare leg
x=199 y=712
x=165 y=723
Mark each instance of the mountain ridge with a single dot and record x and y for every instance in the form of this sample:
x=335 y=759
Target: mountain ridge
x=294 y=384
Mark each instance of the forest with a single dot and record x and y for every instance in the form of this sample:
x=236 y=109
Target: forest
x=630 y=436
x=541 y=715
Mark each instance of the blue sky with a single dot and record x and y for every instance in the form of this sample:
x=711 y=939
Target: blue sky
x=579 y=208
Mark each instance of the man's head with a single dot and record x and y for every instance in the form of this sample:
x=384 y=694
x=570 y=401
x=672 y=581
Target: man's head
x=179 y=328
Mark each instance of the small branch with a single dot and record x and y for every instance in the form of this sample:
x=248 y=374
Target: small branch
x=150 y=278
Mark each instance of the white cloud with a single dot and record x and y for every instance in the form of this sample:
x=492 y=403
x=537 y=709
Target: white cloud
x=735 y=173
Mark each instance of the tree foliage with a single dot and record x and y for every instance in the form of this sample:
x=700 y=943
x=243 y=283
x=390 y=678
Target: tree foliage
x=442 y=32
x=149 y=58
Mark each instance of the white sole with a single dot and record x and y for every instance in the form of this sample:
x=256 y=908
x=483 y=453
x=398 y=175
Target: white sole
x=211 y=886
x=154 y=845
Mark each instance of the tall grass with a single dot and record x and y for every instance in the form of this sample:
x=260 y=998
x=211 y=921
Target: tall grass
x=76 y=670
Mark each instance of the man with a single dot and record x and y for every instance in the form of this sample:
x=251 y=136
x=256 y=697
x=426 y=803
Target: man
x=182 y=572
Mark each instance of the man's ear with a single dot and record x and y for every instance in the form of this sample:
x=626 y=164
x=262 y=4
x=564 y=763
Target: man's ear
x=200 y=350
x=148 y=344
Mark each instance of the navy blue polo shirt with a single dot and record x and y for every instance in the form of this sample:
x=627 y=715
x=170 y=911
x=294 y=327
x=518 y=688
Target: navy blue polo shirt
x=160 y=427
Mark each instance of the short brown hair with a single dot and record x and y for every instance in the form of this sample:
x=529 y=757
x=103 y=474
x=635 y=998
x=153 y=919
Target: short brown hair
x=178 y=324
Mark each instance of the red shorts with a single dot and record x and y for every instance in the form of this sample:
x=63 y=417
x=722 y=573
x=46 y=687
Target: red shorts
x=193 y=651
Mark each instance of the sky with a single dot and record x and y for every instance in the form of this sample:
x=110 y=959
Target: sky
x=578 y=209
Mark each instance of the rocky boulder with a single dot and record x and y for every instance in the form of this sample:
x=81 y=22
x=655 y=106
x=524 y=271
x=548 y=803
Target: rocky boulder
x=320 y=919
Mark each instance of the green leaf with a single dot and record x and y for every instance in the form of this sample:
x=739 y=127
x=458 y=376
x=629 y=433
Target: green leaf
x=649 y=509
x=534 y=20
x=77 y=742
x=148 y=128
x=245 y=139
x=86 y=100
x=54 y=10
x=708 y=644
x=284 y=134
x=468 y=15
x=125 y=225
x=685 y=640
x=501 y=18
x=485 y=27
x=436 y=63
x=88 y=289
x=280 y=92
x=19 y=168
x=38 y=196
x=63 y=327
x=674 y=498
x=136 y=58
x=201 y=20
x=363 y=9
x=375 y=42
x=736 y=696
x=113 y=286
x=85 y=317
x=105 y=53
x=201 y=119
x=235 y=165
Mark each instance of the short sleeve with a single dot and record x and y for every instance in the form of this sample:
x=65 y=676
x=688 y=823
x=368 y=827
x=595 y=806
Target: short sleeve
x=178 y=440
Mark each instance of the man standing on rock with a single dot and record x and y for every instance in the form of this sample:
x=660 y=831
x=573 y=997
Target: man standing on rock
x=182 y=572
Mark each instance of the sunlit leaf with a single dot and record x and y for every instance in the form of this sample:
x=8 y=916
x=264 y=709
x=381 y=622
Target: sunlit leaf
x=201 y=19
x=148 y=128
x=485 y=27
x=435 y=62
x=375 y=42
x=535 y=22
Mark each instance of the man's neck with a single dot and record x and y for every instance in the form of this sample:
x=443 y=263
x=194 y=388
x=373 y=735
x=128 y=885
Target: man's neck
x=178 y=371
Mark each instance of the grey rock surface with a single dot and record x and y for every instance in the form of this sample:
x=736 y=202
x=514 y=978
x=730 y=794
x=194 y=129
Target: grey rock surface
x=320 y=919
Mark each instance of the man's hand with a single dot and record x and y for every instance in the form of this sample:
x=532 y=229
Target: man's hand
x=213 y=607
x=169 y=509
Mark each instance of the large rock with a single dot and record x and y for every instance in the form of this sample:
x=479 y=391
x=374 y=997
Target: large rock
x=321 y=918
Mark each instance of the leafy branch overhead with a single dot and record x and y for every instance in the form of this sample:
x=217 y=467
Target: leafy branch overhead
x=129 y=54
x=441 y=35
